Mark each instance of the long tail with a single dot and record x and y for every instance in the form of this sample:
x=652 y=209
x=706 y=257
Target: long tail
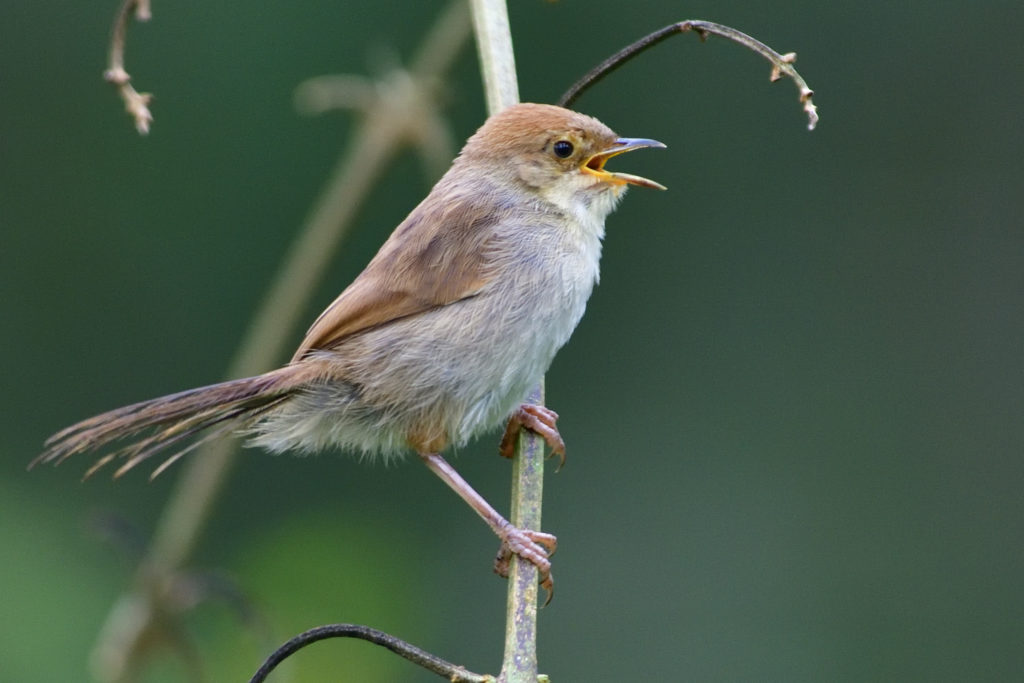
x=170 y=420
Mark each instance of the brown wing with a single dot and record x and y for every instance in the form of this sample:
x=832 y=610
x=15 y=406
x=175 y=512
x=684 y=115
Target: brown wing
x=435 y=257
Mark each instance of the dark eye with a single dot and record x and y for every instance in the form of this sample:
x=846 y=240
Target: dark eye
x=563 y=149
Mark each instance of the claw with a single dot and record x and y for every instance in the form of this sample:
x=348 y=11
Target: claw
x=533 y=546
x=538 y=419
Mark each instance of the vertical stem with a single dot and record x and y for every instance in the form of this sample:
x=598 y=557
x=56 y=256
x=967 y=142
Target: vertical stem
x=520 y=661
x=497 y=63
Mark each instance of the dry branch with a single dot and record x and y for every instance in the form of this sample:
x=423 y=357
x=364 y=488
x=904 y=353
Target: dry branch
x=135 y=103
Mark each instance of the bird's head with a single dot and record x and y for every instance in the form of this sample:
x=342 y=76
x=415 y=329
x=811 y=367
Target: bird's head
x=557 y=153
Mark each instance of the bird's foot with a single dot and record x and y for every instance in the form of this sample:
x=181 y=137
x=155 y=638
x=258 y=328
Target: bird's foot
x=538 y=419
x=533 y=546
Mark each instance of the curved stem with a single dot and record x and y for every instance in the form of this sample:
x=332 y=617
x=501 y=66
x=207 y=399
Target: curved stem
x=453 y=673
x=782 y=65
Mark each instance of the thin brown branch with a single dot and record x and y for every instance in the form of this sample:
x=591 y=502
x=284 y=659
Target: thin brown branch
x=135 y=103
x=452 y=672
x=782 y=65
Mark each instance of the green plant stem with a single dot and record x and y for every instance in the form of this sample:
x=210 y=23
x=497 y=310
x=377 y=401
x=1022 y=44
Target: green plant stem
x=520 y=664
x=497 y=60
x=497 y=65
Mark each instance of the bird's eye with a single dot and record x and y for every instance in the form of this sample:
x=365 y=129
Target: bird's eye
x=563 y=149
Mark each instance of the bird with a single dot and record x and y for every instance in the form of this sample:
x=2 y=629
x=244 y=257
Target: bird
x=443 y=334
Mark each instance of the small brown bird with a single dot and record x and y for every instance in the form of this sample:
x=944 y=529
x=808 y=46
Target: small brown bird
x=443 y=334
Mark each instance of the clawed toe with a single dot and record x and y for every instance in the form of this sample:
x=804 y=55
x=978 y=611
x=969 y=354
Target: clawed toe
x=533 y=546
x=538 y=419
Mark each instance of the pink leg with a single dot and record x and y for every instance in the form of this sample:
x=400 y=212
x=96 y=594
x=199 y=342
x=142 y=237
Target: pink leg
x=532 y=546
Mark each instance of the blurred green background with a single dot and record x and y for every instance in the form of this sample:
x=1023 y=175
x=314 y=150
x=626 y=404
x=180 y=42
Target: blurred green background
x=793 y=409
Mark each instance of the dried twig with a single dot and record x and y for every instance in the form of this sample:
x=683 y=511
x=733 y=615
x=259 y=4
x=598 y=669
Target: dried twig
x=135 y=103
x=782 y=65
x=452 y=672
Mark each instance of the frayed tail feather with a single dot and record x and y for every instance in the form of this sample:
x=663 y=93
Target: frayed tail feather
x=171 y=420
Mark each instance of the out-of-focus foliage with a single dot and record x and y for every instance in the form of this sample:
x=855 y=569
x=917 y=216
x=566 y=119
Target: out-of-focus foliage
x=793 y=410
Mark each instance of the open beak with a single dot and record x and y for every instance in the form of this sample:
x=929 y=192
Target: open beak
x=595 y=164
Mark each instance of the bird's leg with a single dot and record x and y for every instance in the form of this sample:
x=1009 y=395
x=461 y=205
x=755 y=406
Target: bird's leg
x=537 y=419
x=532 y=546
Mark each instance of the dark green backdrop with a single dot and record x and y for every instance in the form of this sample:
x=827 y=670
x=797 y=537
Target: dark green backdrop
x=793 y=409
